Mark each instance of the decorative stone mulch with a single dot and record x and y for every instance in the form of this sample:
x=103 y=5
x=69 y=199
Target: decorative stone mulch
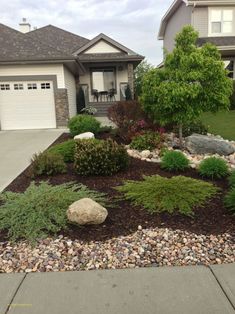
x=195 y=159
x=147 y=247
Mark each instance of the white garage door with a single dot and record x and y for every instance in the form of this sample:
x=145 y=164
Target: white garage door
x=27 y=105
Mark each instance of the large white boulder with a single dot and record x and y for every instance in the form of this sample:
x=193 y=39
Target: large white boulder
x=87 y=212
x=83 y=136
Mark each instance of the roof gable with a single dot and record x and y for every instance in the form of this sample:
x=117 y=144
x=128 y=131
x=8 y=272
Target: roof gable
x=102 y=47
x=109 y=41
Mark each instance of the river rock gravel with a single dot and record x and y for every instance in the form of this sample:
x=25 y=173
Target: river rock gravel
x=144 y=248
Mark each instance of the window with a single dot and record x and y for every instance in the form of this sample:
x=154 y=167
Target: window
x=229 y=65
x=4 y=86
x=18 y=86
x=45 y=85
x=103 y=79
x=32 y=86
x=221 y=21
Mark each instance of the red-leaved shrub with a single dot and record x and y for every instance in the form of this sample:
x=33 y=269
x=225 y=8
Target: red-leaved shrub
x=129 y=119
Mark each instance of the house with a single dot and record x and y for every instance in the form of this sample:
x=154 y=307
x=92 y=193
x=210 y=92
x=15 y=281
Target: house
x=213 y=19
x=42 y=69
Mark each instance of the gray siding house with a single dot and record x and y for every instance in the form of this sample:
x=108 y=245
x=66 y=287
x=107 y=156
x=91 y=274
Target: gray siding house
x=214 y=20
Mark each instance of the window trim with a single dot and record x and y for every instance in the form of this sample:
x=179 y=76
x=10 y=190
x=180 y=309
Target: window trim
x=32 y=84
x=18 y=86
x=210 y=33
x=47 y=85
x=96 y=69
x=5 y=85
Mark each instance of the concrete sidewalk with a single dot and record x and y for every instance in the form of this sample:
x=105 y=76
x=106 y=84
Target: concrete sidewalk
x=167 y=290
x=17 y=148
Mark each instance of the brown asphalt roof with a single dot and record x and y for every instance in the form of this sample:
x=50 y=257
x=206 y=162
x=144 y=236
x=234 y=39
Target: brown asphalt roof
x=218 y=41
x=47 y=44
x=16 y=46
x=58 y=38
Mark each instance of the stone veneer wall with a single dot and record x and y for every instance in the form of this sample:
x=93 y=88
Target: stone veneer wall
x=130 y=72
x=61 y=107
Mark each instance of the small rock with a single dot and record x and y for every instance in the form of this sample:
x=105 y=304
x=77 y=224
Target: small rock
x=145 y=154
x=83 y=136
x=87 y=212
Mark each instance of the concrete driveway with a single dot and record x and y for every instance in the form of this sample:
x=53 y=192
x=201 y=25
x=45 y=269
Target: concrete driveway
x=17 y=148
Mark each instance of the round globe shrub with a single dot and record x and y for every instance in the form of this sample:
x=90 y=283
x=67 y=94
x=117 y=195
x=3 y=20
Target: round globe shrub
x=99 y=157
x=149 y=140
x=83 y=123
x=47 y=163
x=232 y=179
x=213 y=168
x=229 y=200
x=174 y=161
x=65 y=149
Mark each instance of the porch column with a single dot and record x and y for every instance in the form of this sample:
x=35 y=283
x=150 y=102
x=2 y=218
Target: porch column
x=130 y=73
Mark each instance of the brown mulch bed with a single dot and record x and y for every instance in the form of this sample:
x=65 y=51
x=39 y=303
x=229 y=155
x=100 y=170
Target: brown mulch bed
x=123 y=217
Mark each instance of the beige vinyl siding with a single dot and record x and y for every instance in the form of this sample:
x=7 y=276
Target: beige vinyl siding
x=70 y=84
x=180 y=18
x=200 y=20
x=102 y=47
x=44 y=69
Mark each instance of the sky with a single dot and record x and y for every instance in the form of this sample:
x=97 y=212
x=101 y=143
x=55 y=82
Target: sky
x=133 y=23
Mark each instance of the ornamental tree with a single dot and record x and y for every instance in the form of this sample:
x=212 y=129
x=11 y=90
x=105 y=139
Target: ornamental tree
x=192 y=81
x=139 y=73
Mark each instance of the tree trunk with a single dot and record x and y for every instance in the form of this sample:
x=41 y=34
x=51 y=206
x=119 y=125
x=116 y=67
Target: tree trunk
x=181 y=135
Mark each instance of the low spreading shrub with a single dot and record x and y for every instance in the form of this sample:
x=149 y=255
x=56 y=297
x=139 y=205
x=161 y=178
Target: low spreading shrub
x=193 y=127
x=99 y=157
x=65 y=149
x=174 y=161
x=229 y=200
x=47 y=163
x=148 y=140
x=232 y=179
x=83 y=123
x=213 y=168
x=158 y=194
x=41 y=210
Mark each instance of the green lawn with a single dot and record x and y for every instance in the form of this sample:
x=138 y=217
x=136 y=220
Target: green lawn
x=222 y=123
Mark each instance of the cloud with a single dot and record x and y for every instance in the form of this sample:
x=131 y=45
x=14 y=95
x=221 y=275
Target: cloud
x=133 y=23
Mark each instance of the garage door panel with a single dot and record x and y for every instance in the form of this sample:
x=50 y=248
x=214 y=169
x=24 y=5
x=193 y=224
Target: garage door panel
x=27 y=109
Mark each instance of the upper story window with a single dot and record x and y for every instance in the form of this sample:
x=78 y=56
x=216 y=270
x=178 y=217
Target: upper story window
x=221 y=21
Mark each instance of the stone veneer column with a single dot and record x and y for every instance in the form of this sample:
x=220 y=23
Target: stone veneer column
x=61 y=107
x=130 y=73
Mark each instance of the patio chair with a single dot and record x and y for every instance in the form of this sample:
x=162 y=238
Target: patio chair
x=95 y=95
x=111 y=94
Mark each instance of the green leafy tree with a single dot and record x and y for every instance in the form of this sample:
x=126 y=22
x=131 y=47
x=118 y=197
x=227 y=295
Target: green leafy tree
x=192 y=81
x=139 y=73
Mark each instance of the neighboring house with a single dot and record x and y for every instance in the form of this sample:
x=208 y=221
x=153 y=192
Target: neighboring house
x=41 y=70
x=213 y=19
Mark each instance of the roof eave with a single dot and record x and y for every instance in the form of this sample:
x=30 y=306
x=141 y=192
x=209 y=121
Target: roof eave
x=137 y=59
x=167 y=15
x=210 y=2
x=33 y=61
